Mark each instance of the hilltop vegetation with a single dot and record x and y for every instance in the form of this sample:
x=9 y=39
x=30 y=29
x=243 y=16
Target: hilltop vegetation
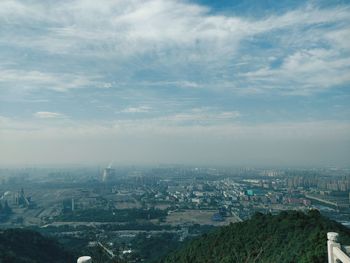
x=26 y=246
x=288 y=237
x=285 y=238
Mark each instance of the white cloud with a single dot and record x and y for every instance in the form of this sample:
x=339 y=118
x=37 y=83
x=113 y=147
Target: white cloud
x=48 y=115
x=206 y=116
x=306 y=71
x=34 y=79
x=175 y=39
x=203 y=116
x=340 y=38
x=140 y=109
x=228 y=115
x=129 y=27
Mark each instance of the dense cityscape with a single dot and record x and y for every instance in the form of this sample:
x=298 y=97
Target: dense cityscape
x=112 y=211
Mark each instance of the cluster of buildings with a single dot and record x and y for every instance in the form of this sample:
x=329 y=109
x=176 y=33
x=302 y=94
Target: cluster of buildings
x=341 y=184
x=186 y=196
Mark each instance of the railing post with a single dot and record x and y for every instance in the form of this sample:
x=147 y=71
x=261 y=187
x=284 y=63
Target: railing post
x=84 y=259
x=332 y=242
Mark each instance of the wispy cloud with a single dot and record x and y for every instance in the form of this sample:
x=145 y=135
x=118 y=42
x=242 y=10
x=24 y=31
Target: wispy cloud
x=48 y=115
x=306 y=71
x=34 y=79
x=202 y=116
x=176 y=40
x=140 y=109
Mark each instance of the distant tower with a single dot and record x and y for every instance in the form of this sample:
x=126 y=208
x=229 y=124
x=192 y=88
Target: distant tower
x=108 y=174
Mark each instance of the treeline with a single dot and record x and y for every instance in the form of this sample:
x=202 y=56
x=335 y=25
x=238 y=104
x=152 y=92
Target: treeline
x=288 y=237
x=26 y=246
x=148 y=248
x=5 y=211
x=120 y=215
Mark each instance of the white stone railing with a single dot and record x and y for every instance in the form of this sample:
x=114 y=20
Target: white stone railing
x=85 y=259
x=335 y=250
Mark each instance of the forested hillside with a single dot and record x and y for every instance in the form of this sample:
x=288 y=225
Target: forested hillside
x=285 y=238
x=25 y=246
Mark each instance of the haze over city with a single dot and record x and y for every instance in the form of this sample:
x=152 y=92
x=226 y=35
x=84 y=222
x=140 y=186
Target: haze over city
x=190 y=82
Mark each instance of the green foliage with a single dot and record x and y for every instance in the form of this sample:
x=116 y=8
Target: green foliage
x=25 y=246
x=120 y=215
x=151 y=248
x=5 y=211
x=288 y=237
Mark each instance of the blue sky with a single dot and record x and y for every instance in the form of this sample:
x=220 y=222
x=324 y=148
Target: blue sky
x=209 y=82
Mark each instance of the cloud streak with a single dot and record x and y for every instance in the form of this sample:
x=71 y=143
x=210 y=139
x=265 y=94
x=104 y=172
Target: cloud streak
x=140 y=109
x=34 y=79
x=48 y=115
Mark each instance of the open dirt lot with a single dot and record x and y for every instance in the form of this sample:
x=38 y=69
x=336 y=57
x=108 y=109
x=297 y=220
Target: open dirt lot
x=202 y=217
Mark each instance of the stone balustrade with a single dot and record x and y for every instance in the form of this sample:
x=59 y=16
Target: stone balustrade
x=336 y=252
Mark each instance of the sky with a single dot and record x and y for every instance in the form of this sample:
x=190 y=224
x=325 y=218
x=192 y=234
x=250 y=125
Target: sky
x=230 y=82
